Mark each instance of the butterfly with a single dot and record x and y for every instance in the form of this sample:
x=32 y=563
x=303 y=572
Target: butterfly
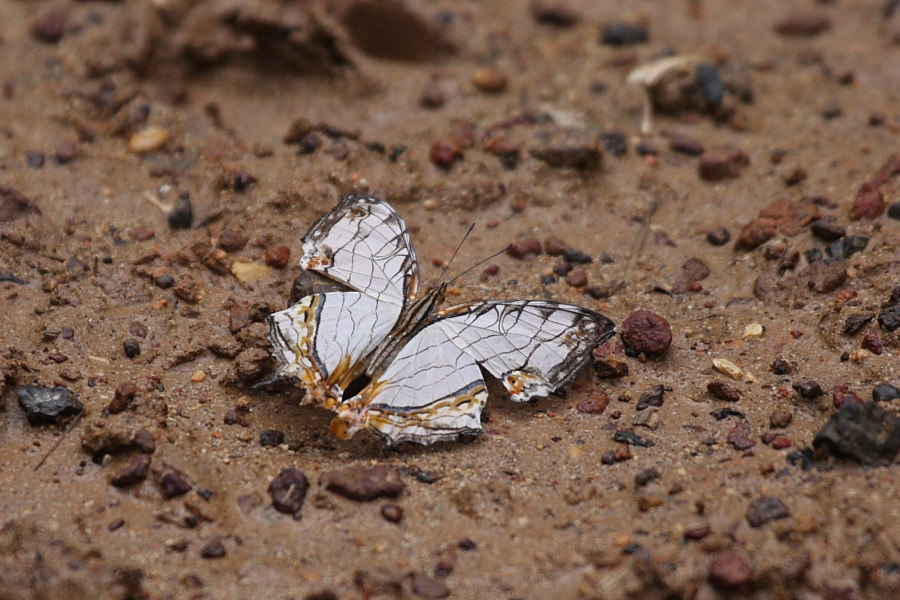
x=386 y=358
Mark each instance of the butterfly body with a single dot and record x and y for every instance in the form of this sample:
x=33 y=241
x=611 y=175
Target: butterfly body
x=420 y=368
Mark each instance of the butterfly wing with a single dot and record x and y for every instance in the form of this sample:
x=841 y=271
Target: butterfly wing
x=365 y=244
x=321 y=340
x=433 y=390
x=533 y=347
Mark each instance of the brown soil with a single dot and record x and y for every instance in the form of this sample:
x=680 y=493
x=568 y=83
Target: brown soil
x=528 y=510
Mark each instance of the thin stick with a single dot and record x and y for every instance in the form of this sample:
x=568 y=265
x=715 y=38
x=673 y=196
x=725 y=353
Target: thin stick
x=59 y=441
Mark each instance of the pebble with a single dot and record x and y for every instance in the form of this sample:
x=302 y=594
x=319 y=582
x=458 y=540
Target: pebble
x=247 y=272
x=889 y=318
x=524 y=249
x=278 y=257
x=554 y=12
x=14 y=205
x=842 y=394
x=135 y=471
x=645 y=477
x=609 y=368
x=424 y=586
x=723 y=413
x=50 y=25
x=34 y=160
x=563 y=269
x=827 y=229
x=570 y=149
x=846 y=247
x=755 y=233
x=686 y=145
x=765 y=510
x=832 y=110
x=491 y=80
x=624 y=34
x=271 y=437
x=554 y=246
x=722 y=391
x=577 y=278
x=808 y=389
x=632 y=439
x=432 y=96
x=780 y=418
x=614 y=142
x=444 y=153
x=873 y=343
x=232 y=241
x=44 y=405
x=722 y=162
x=805 y=23
x=726 y=367
x=148 y=139
x=718 y=237
x=576 y=257
x=288 y=491
x=893 y=211
x=213 y=549
x=885 y=392
x=143 y=441
x=730 y=570
x=865 y=432
x=652 y=398
x=364 y=483
x=868 y=204
x=595 y=404
x=131 y=347
x=174 y=484
x=794 y=176
x=741 y=436
x=182 y=214
x=123 y=398
x=697 y=532
x=646 y=332
x=712 y=88
x=753 y=331
x=392 y=513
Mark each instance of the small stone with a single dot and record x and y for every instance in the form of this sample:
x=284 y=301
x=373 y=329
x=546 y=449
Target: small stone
x=363 y=483
x=44 y=405
x=646 y=332
x=392 y=513
x=697 y=532
x=723 y=413
x=832 y=110
x=554 y=246
x=213 y=549
x=321 y=595
x=718 y=237
x=712 y=88
x=864 y=432
x=827 y=229
x=595 y=404
x=780 y=366
x=148 y=139
x=753 y=331
x=723 y=391
x=780 y=418
x=855 y=322
x=885 y=392
x=889 y=318
x=808 y=389
x=609 y=368
x=652 y=398
x=288 y=491
x=624 y=34
x=686 y=145
x=645 y=477
x=765 y=510
x=49 y=26
x=576 y=257
x=424 y=586
x=143 y=441
x=570 y=149
x=846 y=247
x=755 y=233
x=873 y=343
x=726 y=367
x=232 y=241
x=34 y=159
x=123 y=398
x=842 y=394
x=131 y=347
x=182 y=214
x=445 y=152
x=242 y=180
x=271 y=437
x=577 y=278
x=432 y=96
x=614 y=142
x=554 y=12
x=278 y=257
x=803 y=24
x=65 y=152
x=868 y=204
x=632 y=439
x=893 y=211
x=795 y=176
x=136 y=471
x=247 y=272
x=741 y=436
x=491 y=80
x=731 y=571
x=524 y=249
x=722 y=162
x=173 y=484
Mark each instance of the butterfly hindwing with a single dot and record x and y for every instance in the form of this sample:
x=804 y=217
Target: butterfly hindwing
x=364 y=243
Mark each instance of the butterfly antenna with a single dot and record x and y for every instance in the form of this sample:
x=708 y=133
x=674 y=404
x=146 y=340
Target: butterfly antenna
x=446 y=266
x=478 y=264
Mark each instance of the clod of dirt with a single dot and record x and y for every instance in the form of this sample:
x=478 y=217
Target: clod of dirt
x=135 y=471
x=864 y=432
x=569 y=148
x=288 y=491
x=14 y=205
x=45 y=405
x=765 y=510
x=364 y=484
x=646 y=332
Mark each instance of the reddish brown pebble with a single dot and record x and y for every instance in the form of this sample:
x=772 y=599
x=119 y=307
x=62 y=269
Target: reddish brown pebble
x=647 y=332
x=730 y=570
x=755 y=233
x=795 y=176
x=49 y=26
x=444 y=153
x=288 y=491
x=214 y=549
x=491 y=270
x=868 y=204
x=741 y=436
x=722 y=391
x=364 y=484
x=525 y=248
x=237 y=416
x=115 y=524
x=173 y=484
x=577 y=278
x=718 y=237
x=141 y=233
x=780 y=418
x=781 y=442
x=123 y=398
x=722 y=162
x=698 y=532
x=803 y=24
x=65 y=152
x=392 y=513
x=872 y=342
x=488 y=79
x=554 y=246
x=842 y=394
x=609 y=368
x=278 y=256
x=686 y=145
x=232 y=241
x=890 y=168
x=137 y=470
x=595 y=404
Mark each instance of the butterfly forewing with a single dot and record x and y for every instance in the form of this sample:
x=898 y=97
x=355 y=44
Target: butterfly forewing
x=364 y=243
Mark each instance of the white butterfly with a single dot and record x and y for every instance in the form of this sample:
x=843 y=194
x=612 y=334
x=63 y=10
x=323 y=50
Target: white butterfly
x=412 y=372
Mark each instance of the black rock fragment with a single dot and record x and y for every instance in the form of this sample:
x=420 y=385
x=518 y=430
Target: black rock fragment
x=890 y=317
x=857 y=321
x=653 y=398
x=846 y=247
x=865 y=432
x=885 y=392
x=48 y=405
x=182 y=214
x=288 y=491
x=712 y=88
x=766 y=509
x=633 y=439
x=724 y=413
x=623 y=34
x=6 y=276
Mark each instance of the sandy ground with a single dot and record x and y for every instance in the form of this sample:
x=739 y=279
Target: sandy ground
x=514 y=117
